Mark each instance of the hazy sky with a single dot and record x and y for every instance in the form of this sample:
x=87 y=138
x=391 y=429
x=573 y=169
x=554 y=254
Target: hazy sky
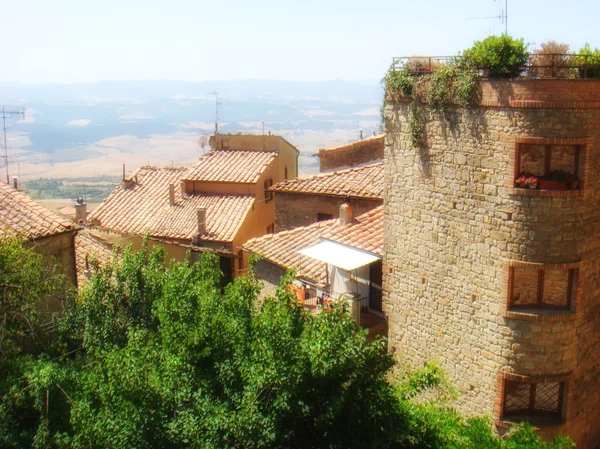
x=196 y=40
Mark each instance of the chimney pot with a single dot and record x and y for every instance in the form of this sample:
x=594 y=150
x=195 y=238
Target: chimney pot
x=80 y=210
x=172 y=194
x=201 y=220
x=16 y=182
x=346 y=214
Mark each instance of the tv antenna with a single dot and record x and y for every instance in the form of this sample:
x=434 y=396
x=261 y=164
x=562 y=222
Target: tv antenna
x=217 y=104
x=503 y=16
x=8 y=114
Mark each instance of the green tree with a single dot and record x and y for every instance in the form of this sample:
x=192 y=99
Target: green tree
x=165 y=360
x=503 y=56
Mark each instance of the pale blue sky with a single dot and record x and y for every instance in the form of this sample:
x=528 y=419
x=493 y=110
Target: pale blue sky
x=85 y=40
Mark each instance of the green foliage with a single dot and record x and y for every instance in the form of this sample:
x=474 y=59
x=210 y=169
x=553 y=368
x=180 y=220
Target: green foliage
x=449 y=85
x=25 y=280
x=165 y=360
x=586 y=57
x=502 y=56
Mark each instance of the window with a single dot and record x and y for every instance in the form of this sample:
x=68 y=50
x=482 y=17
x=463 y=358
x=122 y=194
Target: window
x=268 y=194
x=551 y=167
x=535 y=402
x=323 y=217
x=285 y=176
x=271 y=228
x=543 y=288
x=241 y=259
x=224 y=144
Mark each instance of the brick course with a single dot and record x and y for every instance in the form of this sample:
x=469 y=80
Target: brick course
x=454 y=223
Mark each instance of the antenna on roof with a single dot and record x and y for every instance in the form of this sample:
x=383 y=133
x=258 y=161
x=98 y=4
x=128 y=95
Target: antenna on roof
x=503 y=16
x=217 y=103
x=5 y=115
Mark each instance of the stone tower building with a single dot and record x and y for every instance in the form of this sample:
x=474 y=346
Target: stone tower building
x=501 y=284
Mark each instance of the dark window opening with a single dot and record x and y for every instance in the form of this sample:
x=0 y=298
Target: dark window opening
x=323 y=217
x=542 y=288
x=268 y=194
x=534 y=402
x=548 y=167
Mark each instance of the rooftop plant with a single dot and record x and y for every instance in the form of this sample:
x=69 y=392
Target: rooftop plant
x=502 y=56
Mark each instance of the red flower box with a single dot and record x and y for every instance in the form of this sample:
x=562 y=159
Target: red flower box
x=552 y=185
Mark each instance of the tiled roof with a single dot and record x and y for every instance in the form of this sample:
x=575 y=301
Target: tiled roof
x=144 y=209
x=86 y=245
x=366 y=233
x=364 y=182
x=24 y=217
x=378 y=139
x=230 y=166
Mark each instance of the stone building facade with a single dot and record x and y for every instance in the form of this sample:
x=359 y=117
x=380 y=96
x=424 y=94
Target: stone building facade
x=293 y=210
x=351 y=155
x=303 y=201
x=501 y=284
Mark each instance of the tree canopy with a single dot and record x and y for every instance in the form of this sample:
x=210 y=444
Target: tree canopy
x=154 y=355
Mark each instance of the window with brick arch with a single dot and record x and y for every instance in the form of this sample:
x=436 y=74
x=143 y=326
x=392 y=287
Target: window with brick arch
x=533 y=401
x=544 y=288
x=557 y=167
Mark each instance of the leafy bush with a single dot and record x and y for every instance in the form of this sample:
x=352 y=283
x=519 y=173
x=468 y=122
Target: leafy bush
x=502 y=56
x=586 y=57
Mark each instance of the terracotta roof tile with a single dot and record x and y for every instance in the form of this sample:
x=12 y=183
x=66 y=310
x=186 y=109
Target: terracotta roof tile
x=144 y=209
x=86 y=245
x=241 y=166
x=366 y=233
x=363 y=182
x=379 y=139
x=22 y=216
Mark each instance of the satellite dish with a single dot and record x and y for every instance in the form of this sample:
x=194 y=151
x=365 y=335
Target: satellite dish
x=203 y=141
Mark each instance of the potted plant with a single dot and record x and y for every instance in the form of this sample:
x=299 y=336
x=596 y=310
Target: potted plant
x=532 y=181
x=521 y=181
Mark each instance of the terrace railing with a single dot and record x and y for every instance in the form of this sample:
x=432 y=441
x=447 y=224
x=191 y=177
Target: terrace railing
x=538 y=66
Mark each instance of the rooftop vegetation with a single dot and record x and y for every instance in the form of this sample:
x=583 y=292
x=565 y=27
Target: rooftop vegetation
x=445 y=83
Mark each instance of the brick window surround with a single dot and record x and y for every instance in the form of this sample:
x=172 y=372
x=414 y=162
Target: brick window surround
x=547 y=148
x=541 y=292
x=540 y=400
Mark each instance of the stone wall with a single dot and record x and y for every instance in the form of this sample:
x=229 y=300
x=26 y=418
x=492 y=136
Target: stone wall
x=270 y=275
x=293 y=210
x=351 y=155
x=454 y=224
x=61 y=247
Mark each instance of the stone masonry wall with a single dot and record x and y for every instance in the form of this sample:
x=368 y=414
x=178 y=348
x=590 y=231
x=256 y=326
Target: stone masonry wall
x=351 y=155
x=270 y=275
x=62 y=248
x=293 y=210
x=454 y=224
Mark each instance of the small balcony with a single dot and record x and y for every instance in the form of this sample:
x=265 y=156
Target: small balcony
x=366 y=311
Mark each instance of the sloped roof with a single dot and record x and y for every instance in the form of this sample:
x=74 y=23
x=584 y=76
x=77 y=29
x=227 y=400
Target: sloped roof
x=144 y=209
x=378 y=139
x=241 y=166
x=365 y=233
x=24 y=217
x=363 y=182
x=88 y=246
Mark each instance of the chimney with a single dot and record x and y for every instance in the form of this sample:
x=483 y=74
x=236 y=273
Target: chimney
x=16 y=182
x=201 y=220
x=80 y=210
x=346 y=214
x=360 y=133
x=172 y=194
